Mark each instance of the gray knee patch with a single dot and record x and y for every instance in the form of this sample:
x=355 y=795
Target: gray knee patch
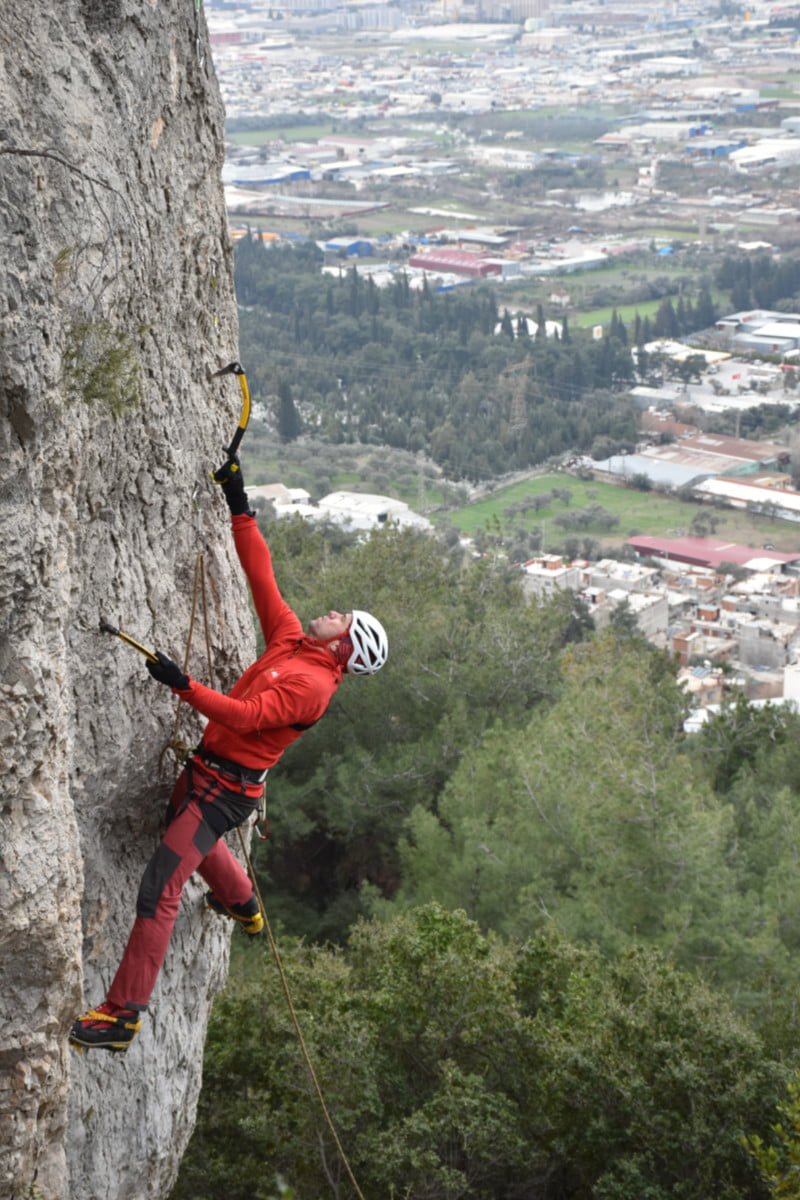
x=156 y=877
x=204 y=837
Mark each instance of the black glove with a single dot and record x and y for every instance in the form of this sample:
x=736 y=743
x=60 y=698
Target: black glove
x=168 y=672
x=229 y=475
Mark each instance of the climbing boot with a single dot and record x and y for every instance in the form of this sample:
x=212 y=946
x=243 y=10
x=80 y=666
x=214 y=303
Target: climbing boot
x=106 y=1027
x=248 y=914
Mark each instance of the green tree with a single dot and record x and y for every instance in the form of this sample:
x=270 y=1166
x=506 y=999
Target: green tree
x=290 y=425
x=422 y=370
x=463 y=646
x=778 y=1158
x=589 y=817
x=460 y=1064
x=705 y=313
x=741 y=295
x=741 y=735
x=704 y=523
x=666 y=321
x=751 y=755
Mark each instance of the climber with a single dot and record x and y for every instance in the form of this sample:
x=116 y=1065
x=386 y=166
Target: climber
x=279 y=696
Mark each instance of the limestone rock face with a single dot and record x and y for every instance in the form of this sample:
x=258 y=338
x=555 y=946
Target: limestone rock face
x=116 y=305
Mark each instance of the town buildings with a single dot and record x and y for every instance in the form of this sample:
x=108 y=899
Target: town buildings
x=728 y=632
x=698 y=153
x=373 y=78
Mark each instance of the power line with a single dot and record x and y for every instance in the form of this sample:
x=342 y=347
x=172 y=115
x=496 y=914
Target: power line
x=431 y=376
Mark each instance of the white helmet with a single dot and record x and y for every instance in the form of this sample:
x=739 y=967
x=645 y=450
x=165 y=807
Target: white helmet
x=370 y=644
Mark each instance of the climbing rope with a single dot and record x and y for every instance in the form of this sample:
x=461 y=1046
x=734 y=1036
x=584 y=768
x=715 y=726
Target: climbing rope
x=181 y=750
x=199 y=595
x=295 y=1020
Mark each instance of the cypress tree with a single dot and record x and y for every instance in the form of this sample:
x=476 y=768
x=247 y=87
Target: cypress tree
x=681 y=316
x=666 y=322
x=705 y=313
x=612 y=329
x=541 y=326
x=289 y=424
x=355 y=293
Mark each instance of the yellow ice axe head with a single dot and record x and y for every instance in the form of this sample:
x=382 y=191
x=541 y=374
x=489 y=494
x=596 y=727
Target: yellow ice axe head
x=105 y=627
x=236 y=368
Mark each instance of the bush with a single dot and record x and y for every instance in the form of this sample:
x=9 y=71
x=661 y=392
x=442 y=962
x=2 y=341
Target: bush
x=461 y=1065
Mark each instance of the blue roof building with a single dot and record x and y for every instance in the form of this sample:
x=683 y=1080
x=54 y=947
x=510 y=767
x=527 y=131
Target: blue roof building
x=353 y=247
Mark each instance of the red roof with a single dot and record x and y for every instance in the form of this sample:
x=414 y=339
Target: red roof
x=707 y=552
x=460 y=262
x=743 y=448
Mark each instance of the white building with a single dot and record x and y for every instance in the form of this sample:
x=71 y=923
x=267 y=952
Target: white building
x=767 y=154
x=351 y=510
x=649 y=609
x=549 y=574
x=774 y=501
x=629 y=577
x=362 y=511
x=285 y=500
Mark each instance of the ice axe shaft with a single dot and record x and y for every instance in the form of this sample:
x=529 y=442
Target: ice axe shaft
x=105 y=627
x=236 y=368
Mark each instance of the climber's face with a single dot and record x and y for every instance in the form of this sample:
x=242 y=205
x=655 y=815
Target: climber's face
x=331 y=625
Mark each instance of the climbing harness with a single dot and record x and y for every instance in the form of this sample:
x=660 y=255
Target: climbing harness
x=231 y=771
x=236 y=368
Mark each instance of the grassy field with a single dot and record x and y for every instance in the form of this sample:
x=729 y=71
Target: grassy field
x=780 y=92
x=626 y=312
x=290 y=133
x=321 y=469
x=580 y=314
x=638 y=512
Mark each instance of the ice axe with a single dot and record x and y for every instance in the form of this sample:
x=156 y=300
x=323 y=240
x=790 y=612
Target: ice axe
x=236 y=368
x=150 y=655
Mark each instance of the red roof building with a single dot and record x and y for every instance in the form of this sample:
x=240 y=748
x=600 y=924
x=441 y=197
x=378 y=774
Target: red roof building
x=710 y=552
x=739 y=449
x=455 y=262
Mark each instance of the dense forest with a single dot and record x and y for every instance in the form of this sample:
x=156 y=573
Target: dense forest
x=543 y=943
x=444 y=373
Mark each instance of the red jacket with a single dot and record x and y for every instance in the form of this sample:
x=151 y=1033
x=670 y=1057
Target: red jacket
x=290 y=685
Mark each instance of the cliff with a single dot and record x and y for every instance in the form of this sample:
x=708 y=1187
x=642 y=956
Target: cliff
x=116 y=303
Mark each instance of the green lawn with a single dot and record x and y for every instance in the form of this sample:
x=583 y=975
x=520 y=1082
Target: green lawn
x=670 y=235
x=626 y=312
x=387 y=473
x=778 y=92
x=640 y=512
x=290 y=133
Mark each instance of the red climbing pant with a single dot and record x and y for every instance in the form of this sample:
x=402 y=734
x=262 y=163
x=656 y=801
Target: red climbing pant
x=202 y=810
